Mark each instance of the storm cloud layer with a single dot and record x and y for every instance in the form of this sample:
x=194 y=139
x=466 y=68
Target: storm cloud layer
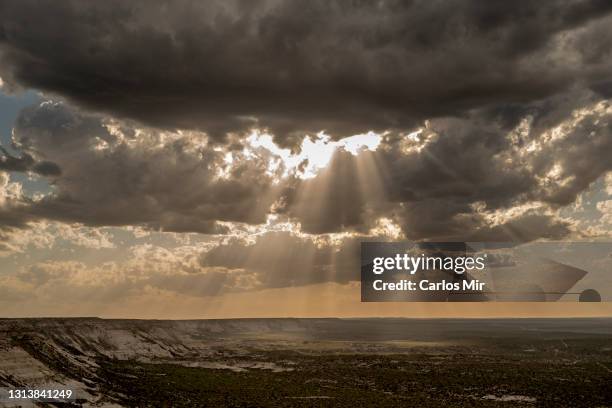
x=269 y=137
x=461 y=179
x=114 y=175
x=293 y=67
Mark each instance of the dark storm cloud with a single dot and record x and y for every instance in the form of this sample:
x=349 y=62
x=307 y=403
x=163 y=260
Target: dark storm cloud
x=583 y=155
x=292 y=66
x=441 y=183
x=26 y=163
x=474 y=70
x=113 y=176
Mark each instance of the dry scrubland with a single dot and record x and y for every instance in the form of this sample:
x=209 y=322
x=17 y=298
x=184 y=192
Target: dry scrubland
x=314 y=362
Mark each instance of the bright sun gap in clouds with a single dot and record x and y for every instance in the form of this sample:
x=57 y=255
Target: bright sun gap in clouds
x=316 y=150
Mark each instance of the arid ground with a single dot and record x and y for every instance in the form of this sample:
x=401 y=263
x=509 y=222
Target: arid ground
x=314 y=362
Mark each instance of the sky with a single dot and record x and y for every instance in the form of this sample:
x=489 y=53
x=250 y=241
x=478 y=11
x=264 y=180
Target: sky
x=226 y=158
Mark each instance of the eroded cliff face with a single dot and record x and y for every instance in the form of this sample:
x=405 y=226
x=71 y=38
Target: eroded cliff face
x=42 y=352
